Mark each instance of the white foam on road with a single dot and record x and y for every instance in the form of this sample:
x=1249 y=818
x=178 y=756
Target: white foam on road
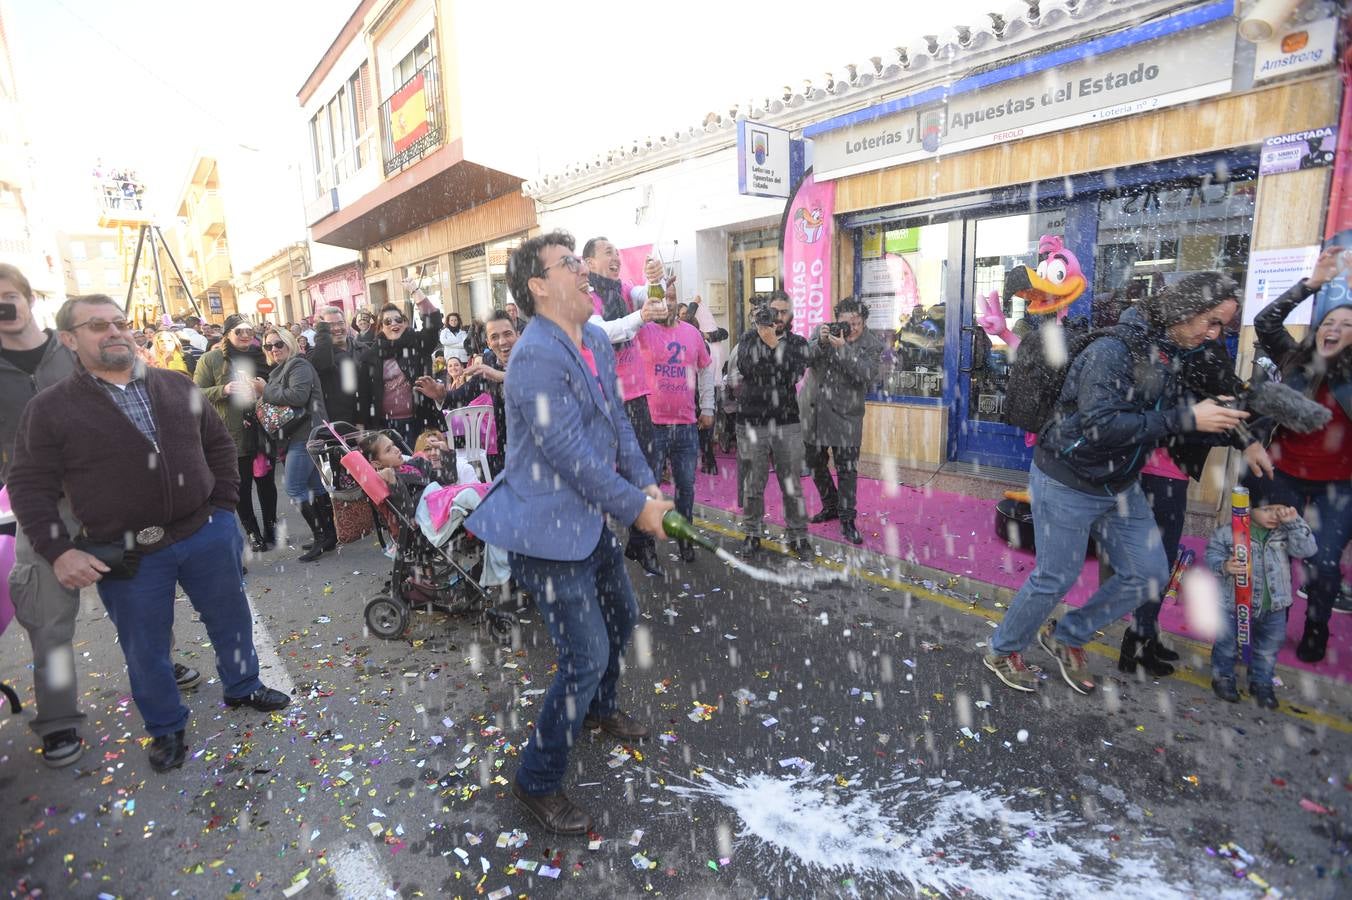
x=357 y=872
x=927 y=835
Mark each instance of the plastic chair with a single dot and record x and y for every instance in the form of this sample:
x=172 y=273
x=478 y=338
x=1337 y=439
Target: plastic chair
x=472 y=419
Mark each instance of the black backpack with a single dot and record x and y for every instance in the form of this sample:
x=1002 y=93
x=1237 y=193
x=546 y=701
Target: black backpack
x=1034 y=385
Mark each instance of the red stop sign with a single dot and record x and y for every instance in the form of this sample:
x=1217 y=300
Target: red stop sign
x=265 y=306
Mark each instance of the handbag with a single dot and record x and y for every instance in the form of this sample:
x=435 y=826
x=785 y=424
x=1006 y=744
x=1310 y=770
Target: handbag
x=121 y=562
x=279 y=421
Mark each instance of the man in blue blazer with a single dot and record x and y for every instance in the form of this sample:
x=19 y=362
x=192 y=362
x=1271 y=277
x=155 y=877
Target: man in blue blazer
x=572 y=461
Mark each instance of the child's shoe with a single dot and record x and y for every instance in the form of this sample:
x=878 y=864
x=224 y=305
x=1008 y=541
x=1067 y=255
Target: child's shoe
x=1225 y=689
x=1264 y=695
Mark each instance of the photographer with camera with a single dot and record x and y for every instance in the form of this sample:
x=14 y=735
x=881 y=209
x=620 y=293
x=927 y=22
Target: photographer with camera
x=770 y=361
x=844 y=360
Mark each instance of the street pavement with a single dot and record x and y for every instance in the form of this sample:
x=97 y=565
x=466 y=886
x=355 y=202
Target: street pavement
x=833 y=742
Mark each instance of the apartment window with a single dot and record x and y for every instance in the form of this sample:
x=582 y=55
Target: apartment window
x=77 y=250
x=359 y=99
x=337 y=130
x=418 y=57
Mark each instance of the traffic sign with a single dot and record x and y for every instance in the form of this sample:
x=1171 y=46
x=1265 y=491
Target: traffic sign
x=265 y=306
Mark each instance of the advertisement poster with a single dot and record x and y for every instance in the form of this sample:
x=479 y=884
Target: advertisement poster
x=1311 y=149
x=1271 y=272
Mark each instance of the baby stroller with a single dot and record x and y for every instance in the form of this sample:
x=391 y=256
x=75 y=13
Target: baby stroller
x=423 y=575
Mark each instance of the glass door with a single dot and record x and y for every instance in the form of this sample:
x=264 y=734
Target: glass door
x=993 y=246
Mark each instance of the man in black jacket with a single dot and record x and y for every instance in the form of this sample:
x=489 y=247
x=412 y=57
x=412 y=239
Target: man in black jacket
x=771 y=360
x=1121 y=399
x=334 y=357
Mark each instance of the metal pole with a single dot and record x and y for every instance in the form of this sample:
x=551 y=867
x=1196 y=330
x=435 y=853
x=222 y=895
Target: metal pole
x=135 y=264
x=159 y=281
x=187 y=288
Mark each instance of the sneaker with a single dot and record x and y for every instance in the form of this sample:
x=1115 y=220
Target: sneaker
x=265 y=699
x=1225 y=689
x=1343 y=602
x=1264 y=695
x=1073 y=662
x=1012 y=670
x=186 y=677
x=61 y=748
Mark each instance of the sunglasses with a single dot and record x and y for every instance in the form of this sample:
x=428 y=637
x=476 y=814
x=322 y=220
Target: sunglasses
x=243 y=332
x=393 y=320
x=99 y=326
x=275 y=345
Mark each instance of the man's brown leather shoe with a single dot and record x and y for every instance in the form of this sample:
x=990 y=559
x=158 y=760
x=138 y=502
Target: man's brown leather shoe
x=555 y=811
x=619 y=724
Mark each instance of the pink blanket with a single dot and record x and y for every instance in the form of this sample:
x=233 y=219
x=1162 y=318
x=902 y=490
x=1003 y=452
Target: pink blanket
x=439 y=501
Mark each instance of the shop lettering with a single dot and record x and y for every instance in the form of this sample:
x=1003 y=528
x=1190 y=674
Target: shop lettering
x=1308 y=56
x=882 y=140
x=1012 y=106
x=1281 y=139
x=1112 y=81
x=807 y=287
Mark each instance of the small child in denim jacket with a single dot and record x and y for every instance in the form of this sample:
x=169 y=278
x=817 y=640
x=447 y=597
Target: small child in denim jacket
x=1277 y=535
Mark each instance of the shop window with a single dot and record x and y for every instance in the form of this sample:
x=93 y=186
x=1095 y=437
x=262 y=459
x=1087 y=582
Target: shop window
x=903 y=278
x=1152 y=236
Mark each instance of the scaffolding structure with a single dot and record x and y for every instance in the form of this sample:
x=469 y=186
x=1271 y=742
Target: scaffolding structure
x=122 y=208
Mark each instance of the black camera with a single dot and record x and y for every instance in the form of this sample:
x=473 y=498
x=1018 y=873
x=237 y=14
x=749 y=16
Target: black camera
x=8 y=312
x=763 y=315
x=838 y=329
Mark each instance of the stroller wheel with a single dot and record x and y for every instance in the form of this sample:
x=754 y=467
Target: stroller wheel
x=387 y=618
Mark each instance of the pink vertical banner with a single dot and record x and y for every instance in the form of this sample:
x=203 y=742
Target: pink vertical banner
x=809 y=240
x=632 y=261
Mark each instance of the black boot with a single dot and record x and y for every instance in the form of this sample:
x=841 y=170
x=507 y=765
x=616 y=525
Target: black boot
x=1137 y=650
x=1159 y=651
x=1313 y=642
x=269 y=536
x=307 y=513
x=326 y=534
x=849 y=532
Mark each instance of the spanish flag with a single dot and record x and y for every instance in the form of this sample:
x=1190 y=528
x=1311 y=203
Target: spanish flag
x=408 y=114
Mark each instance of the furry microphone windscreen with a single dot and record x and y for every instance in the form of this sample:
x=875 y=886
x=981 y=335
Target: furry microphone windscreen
x=1289 y=408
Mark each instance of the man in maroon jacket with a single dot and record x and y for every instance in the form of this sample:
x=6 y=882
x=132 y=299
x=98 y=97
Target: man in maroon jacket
x=160 y=481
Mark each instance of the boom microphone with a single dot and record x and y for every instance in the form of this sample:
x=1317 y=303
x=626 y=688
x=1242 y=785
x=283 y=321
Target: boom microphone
x=1287 y=407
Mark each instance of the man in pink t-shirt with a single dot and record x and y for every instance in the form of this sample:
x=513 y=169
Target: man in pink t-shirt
x=679 y=367
x=620 y=309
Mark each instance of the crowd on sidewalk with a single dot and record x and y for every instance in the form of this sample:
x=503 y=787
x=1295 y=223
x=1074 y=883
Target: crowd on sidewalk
x=595 y=390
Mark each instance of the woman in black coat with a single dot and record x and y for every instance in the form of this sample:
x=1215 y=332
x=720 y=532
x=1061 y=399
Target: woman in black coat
x=389 y=368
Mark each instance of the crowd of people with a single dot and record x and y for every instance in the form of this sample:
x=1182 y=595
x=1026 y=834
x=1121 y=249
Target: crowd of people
x=600 y=390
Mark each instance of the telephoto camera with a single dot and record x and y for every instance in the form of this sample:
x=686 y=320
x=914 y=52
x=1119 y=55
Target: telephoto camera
x=763 y=315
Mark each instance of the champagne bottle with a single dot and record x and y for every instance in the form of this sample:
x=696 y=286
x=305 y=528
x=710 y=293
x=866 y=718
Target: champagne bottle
x=678 y=526
x=655 y=289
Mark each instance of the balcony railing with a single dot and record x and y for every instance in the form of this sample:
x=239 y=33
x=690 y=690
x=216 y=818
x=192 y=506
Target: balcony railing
x=411 y=121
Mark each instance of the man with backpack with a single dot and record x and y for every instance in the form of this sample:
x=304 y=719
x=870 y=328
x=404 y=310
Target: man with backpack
x=1119 y=398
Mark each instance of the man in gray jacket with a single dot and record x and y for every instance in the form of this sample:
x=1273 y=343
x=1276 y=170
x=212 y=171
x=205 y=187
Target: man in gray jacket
x=844 y=362
x=31 y=359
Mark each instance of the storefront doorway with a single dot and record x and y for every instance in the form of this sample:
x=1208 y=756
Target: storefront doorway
x=753 y=268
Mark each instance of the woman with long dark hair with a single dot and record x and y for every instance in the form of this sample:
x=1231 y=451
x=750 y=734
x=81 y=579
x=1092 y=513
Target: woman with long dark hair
x=1314 y=471
x=389 y=368
x=225 y=374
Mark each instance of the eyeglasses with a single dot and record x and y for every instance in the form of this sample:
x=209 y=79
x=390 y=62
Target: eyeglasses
x=574 y=264
x=393 y=320
x=99 y=326
x=275 y=346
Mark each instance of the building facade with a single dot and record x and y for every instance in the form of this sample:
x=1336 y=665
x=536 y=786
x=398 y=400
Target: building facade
x=1132 y=131
x=201 y=243
x=392 y=171
x=278 y=279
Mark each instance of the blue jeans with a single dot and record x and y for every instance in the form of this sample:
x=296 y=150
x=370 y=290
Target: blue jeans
x=303 y=483
x=680 y=444
x=642 y=421
x=207 y=564
x=590 y=609
x=1064 y=519
x=1327 y=506
x=1266 y=634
